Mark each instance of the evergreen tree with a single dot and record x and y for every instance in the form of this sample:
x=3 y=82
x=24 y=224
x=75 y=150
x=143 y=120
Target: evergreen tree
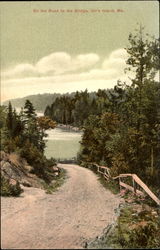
x=29 y=110
x=9 y=120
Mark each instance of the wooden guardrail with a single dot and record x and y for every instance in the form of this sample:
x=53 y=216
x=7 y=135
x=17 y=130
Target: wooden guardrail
x=136 y=181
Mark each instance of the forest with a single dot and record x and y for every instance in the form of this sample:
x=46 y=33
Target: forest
x=121 y=126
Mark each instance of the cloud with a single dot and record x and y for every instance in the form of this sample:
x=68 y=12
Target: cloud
x=87 y=60
x=53 y=64
x=119 y=53
x=116 y=60
x=19 y=71
x=61 y=72
x=61 y=62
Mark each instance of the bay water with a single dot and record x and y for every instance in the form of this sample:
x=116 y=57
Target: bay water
x=62 y=143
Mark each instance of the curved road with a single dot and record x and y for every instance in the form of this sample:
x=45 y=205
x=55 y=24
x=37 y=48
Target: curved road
x=78 y=212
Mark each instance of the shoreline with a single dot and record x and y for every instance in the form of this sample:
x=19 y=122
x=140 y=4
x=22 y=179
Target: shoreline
x=69 y=127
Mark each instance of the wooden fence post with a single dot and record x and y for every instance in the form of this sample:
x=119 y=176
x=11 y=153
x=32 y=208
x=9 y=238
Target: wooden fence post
x=134 y=185
x=120 y=184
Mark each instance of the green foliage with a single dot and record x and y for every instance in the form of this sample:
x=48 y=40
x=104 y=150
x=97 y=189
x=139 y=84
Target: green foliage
x=2 y=116
x=144 y=229
x=112 y=185
x=29 y=110
x=12 y=125
x=77 y=107
x=42 y=167
x=45 y=123
x=32 y=132
x=8 y=189
x=125 y=133
x=137 y=228
x=142 y=57
x=24 y=134
x=56 y=182
x=97 y=131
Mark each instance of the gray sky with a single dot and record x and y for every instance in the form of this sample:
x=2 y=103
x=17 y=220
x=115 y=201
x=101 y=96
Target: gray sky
x=69 y=46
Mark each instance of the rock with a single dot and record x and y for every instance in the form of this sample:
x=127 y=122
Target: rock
x=12 y=182
x=3 y=156
x=26 y=183
x=6 y=170
x=154 y=213
x=56 y=174
x=2 y=163
x=14 y=168
x=55 y=169
x=11 y=171
x=14 y=173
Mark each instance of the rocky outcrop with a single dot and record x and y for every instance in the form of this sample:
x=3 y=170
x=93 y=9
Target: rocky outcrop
x=14 y=168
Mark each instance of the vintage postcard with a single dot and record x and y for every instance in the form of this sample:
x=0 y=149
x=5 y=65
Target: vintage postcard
x=79 y=123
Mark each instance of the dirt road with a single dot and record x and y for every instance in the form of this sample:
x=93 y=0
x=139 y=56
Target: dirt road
x=76 y=213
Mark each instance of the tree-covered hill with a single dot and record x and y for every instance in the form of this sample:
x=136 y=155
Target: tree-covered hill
x=40 y=101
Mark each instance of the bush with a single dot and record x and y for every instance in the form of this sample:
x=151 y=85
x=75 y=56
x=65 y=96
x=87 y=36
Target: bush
x=42 y=166
x=8 y=189
x=93 y=168
x=144 y=229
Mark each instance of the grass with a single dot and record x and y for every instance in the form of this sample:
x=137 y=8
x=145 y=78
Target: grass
x=144 y=229
x=56 y=182
x=112 y=185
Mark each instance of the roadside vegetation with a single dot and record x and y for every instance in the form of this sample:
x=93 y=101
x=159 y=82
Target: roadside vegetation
x=124 y=136
x=137 y=227
x=24 y=134
x=8 y=189
x=56 y=183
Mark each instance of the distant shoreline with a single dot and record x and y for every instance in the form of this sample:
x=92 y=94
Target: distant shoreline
x=69 y=127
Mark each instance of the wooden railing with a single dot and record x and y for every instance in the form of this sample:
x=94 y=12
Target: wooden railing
x=136 y=182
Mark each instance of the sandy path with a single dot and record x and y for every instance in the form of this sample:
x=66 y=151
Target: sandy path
x=76 y=213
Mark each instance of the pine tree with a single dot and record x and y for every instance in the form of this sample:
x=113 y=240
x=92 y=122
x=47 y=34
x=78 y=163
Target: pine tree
x=29 y=110
x=9 y=120
x=31 y=126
